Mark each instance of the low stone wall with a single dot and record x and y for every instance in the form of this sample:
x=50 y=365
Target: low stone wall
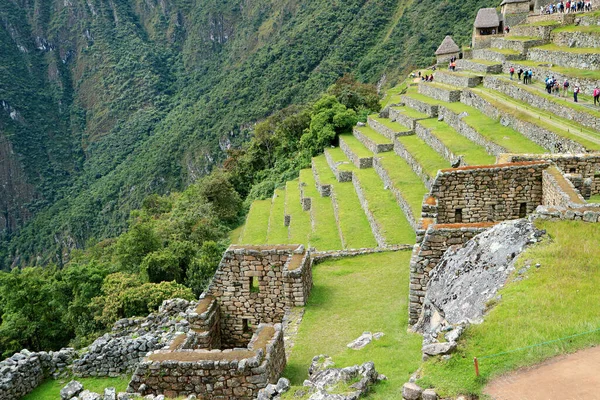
x=323 y=189
x=340 y=174
x=255 y=284
x=586 y=85
x=457 y=123
x=558 y=191
x=490 y=55
x=564 y=19
x=414 y=164
x=224 y=375
x=434 y=143
x=589 y=20
x=515 y=18
x=205 y=332
x=454 y=79
x=589 y=213
x=387 y=131
x=585 y=164
x=321 y=256
x=532 y=98
x=439 y=93
x=576 y=39
x=482 y=42
x=543 y=32
x=487 y=193
x=370 y=144
x=359 y=162
x=375 y=228
x=477 y=67
x=425 y=108
x=590 y=61
x=402 y=203
x=24 y=371
x=427 y=254
x=545 y=138
x=517 y=45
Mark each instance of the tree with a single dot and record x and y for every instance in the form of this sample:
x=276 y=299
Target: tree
x=204 y=266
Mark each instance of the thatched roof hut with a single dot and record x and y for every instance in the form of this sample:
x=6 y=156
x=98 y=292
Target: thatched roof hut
x=487 y=18
x=448 y=46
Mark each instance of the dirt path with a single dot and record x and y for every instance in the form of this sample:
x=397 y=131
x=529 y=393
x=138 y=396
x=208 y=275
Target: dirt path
x=572 y=377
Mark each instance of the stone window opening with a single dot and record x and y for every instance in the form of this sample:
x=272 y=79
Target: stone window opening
x=522 y=210
x=254 y=285
x=458 y=217
x=246 y=325
x=572 y=170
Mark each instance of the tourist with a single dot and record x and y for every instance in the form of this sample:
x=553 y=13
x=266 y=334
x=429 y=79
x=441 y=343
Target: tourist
x=566 y=87
x=519 y=73
x=507 y=29
x=596 y=95
x=556 y=88
x=568 y=6
x=512 y=72
x=419 y=74
x=431 y=78
x=575 y=93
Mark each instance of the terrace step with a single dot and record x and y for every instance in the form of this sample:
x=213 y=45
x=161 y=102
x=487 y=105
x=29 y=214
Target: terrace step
x=482 y=66
x=324 y=188
x=339 y=164
x=387 y=126
x=545 y=128
x=278 y=231
x=423 y=160
x=459 y=79
x=563 y=19
x=299 y=220
x=497 y=55
x=580 y=58
x=519 y=44
x=586 y=79
x=408 y=115
x=355 y=151
x=538 y=31
x=440 y=91
x=538 y=97
x=416 y=102
x=577 y=36
x=257 y=223
x=372 y=140
x=325 y=234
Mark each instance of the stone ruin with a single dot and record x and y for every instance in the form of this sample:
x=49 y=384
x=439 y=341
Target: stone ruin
x=233 y=346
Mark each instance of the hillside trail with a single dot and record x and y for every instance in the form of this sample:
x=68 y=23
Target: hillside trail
x=572 y=377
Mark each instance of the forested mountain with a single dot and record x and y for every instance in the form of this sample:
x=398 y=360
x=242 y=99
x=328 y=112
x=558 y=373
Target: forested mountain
x=103 y=102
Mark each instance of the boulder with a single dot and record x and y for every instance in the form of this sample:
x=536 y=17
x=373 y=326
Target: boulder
x=411 y=391
x=283 y=385
x=361 y=341
x=110 y=393
x=87 y=395
x=71 y=390
x=429 y=394
x=435 y=349
x=320 y=363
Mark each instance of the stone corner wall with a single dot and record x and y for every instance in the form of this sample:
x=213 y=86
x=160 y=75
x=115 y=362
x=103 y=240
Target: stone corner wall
x=218 y=374
x=205 y=328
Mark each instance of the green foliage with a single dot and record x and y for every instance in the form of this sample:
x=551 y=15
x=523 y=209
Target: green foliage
x=204 y=266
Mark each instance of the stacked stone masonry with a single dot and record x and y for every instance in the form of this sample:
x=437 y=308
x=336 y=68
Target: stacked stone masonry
x=457 y=79
x=569 y=59
x=341 y=174
x=387 y=131
x=438 y=92
x=400 y=150
x=372 y=145
x=359 y=162
x=470 y=65
x=425 y=108
x=434 y=142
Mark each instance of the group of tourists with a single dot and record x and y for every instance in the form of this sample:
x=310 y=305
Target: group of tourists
x=567 y=7
x=553 y=86
x=527 y=74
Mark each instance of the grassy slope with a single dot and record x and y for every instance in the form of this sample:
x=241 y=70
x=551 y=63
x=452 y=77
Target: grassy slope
x=552 y=302
x=428 y=158
x=350 y=296
x=257 y=223
x=278 y=232
x=50 y=389
x=300 y=223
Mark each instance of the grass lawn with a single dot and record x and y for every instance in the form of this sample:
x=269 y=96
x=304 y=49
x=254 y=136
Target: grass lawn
x=300 y=227
x=484 y=62
x=594 y=199
x=576 y=50
x=350 y=296
x=257 y=223
x=325 y=234
x=472 y=153
x=556 y=300
x=406 y=181
x=236 y=234
x=390 y=218
x=397 y=127
x=355 y=146
x=278 y=232
x=326 y=176
x=353 y=221
x=594 y=29
x=508 y=52
x=50 y=389
x=375 y=136
x=428 y=158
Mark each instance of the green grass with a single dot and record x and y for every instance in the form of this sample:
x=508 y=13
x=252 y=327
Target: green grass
x=235 y=235
x=543 y=23
x=396 y=126
x=484 y=62
x=326 y=176
x=578 y=28
x=508 y=52
x=50 y=388
x=406 y=181
x=300 y=226
x=428 y=158
x=350 y=296
x=570 y=72
x=325 y=234
x=257 y=223
x=372 y=134
x=545 y=119
x=554 y=301
x=338 y=156
x=575 y=50
x=522 y=38
x=473 y=154
x=278 y=232
x=390 y=218
x=355 y=146
x=594 y=198
x=353 y=221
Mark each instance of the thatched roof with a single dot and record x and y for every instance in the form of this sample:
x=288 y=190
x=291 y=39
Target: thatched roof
x=447 y=47
x=513 y=1
x=487 y=18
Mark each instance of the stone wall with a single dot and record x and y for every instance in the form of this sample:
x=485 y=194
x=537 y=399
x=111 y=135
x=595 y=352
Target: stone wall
x=236 y=374
x=445 y=58
x=435 y=143
x=323 y=189
x=589 y=213
x=586 y=85
x=585 y=164
x=375 y=228
x=400 y=200
x=481 y=41
x=255 y=284
x=359 y=162
x=24 y=371
x=475 y=66
x=533 y=98
x=543 y=32
x=439 y=93
x=576 y=39
x=590 y=61
x=455 y=79
x=425 y=108
x=435 y=241
x=487 y=193
x=512 y=19
x=341 y=174
x=370 y=144
x=545 y=138
x=205 y=332
x=400 y=150
x=487 y=54
x=387 y=131
x=517 y=45
x=456 y=121
x=558 y=191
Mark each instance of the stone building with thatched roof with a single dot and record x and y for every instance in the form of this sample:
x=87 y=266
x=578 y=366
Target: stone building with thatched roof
x=488 y=24
x=447 y=50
